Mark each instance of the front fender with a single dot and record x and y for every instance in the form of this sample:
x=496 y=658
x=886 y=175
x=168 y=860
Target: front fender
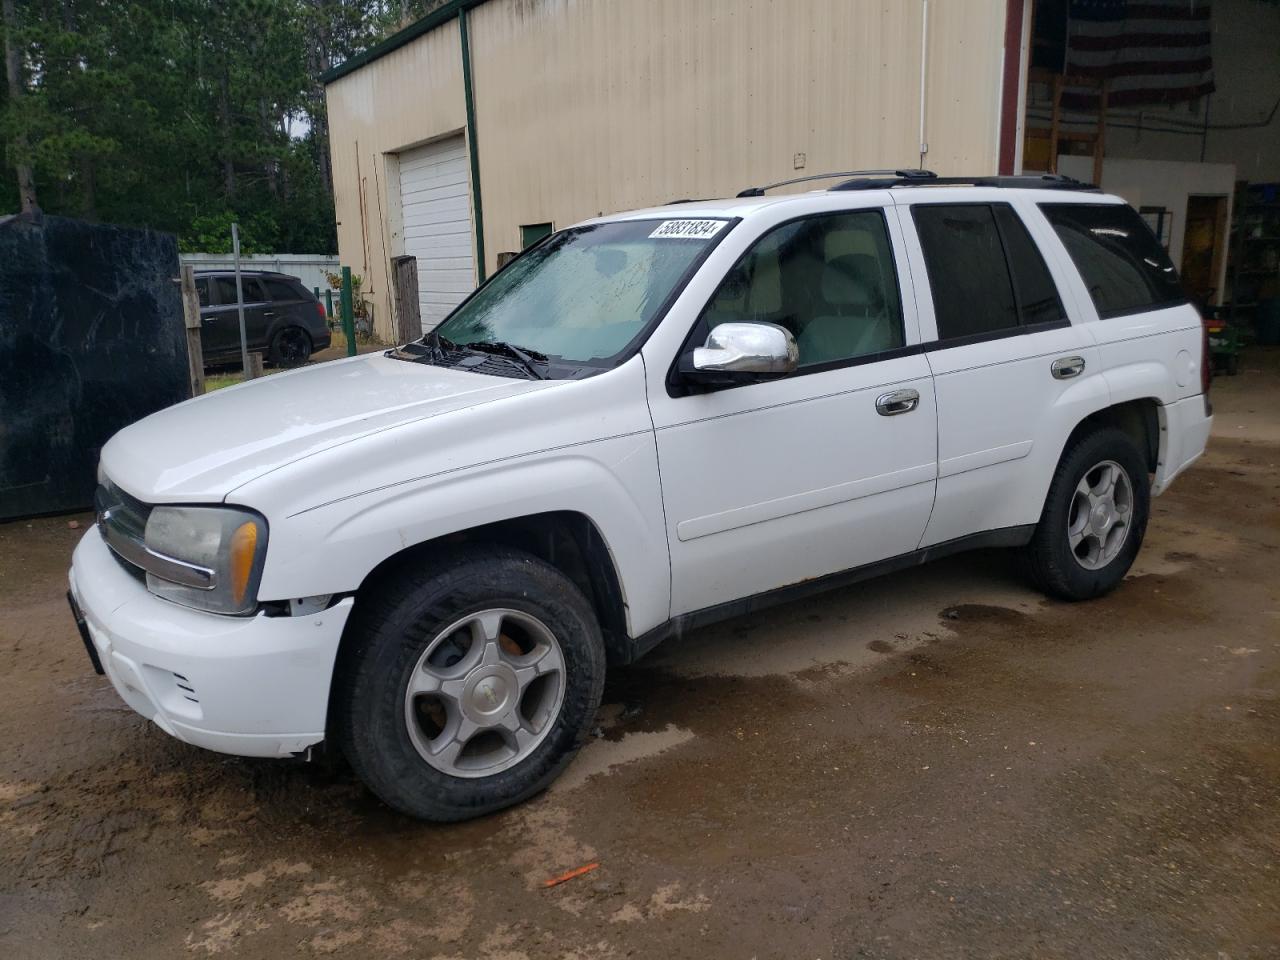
x=614 y=483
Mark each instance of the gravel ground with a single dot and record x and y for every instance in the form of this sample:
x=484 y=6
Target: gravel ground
x=939 y=764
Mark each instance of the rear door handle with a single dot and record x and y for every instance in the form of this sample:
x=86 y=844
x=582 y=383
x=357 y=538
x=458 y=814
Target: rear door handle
x=899 y=401
x=1064 y=368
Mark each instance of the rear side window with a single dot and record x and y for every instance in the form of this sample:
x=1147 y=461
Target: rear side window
x=985 y=272
x=1033 y=287
x=282 y=290
x=202 y=291
x=227 y=290
x=1122 y=263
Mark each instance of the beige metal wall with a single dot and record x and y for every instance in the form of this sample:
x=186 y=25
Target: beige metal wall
x=590 y=106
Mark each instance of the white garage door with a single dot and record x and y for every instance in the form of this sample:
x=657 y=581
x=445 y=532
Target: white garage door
x=436 y=208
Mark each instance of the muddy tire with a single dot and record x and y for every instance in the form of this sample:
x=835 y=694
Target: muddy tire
x=290 y=347
x=1094 y=517
x=469 y=687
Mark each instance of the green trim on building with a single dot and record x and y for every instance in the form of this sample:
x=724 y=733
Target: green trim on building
x=473 y=150
x=436 y=18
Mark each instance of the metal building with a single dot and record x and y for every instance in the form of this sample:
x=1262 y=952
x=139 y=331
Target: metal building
x=481 y=127
x=476 y=129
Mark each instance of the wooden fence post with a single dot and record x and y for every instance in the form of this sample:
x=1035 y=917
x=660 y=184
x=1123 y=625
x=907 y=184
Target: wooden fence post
x=254 y=370
x=408 y=312
x=191 y=319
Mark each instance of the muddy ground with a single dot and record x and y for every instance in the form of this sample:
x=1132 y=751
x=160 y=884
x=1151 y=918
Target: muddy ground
x=940 y=764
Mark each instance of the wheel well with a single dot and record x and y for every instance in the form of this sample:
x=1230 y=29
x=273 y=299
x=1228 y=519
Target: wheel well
x=567 y=540
x=1137 y=418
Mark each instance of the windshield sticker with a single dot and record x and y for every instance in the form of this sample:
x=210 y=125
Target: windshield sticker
x=688 y=229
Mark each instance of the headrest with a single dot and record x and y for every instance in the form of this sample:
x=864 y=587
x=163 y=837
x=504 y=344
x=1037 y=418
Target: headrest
x=850 y=281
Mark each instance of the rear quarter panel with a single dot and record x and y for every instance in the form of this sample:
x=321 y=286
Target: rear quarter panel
x=1150 y=354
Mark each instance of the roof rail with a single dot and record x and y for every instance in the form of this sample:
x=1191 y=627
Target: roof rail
x=897 y=175
x=1048 y=181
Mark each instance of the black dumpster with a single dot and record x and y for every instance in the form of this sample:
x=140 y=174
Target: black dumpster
x=91 y=339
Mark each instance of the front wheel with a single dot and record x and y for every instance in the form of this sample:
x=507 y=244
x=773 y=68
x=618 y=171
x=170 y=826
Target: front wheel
x=1094 y=518
x=469 y=688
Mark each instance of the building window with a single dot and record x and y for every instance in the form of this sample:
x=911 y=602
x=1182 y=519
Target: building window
x=531 y=233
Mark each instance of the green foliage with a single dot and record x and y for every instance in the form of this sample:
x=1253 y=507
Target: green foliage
x=184 y=115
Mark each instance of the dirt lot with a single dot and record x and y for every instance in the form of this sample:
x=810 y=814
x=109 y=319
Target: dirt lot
x=940 y=764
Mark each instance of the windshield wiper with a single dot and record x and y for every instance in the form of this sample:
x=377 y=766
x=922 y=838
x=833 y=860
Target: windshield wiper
x=438 y=344
x=525 y=358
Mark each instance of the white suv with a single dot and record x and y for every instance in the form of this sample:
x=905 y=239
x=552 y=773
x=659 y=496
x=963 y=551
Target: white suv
x=643 y=424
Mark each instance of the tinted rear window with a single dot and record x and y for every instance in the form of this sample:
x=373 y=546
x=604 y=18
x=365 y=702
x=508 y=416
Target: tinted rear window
x=1122 y=263
x=252 y=287
x=283 y=290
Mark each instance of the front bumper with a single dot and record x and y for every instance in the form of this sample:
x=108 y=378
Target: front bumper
x=252 y=686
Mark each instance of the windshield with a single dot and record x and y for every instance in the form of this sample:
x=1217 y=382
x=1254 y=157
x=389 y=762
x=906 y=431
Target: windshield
x=585 y=293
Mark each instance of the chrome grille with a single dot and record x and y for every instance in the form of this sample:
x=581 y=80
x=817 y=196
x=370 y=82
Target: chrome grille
x=122 y=519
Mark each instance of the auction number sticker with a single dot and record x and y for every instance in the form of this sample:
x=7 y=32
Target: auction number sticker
x=688 y=229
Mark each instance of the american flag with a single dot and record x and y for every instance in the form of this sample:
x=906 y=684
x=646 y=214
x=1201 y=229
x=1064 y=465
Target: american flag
x=1147 y=51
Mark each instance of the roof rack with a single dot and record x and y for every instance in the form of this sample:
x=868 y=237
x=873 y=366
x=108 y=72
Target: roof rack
x=899 y=176
x=923 y=178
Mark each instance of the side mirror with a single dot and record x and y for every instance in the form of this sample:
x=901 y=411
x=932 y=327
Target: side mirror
x=741 y=352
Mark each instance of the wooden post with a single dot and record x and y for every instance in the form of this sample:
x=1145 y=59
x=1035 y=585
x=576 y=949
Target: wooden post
x=408 y=311
x=191 y=319
x=254 y=369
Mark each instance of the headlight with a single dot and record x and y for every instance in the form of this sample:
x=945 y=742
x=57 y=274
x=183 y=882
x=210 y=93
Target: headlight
x=211 y=557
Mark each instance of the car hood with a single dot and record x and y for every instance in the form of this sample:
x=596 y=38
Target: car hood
x=202 y=449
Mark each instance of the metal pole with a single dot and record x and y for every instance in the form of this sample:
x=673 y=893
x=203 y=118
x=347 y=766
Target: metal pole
x=244 y=340
x=348 y=313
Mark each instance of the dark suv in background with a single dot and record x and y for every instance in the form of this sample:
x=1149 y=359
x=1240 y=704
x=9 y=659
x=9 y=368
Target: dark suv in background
x=282 y=318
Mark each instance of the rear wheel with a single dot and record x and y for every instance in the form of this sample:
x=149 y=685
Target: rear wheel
x=1094 y=518
x=290 y=347
x=470 y=688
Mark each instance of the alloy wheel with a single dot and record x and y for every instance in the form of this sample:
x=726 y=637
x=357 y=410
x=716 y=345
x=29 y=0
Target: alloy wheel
x=1100 y=515
x=485 y=693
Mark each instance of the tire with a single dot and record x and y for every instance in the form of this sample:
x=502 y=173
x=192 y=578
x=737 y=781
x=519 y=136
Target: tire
x=387 y=733
x=1098 y=561
x=290 y=347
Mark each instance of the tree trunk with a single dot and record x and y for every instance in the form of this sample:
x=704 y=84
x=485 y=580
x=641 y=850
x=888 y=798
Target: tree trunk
x=320 y=60
x=224 y=123
x=270 y=165
x=89 y=190
x=13 y=75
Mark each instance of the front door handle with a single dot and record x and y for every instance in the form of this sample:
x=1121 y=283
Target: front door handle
x=1064 y=368
x=900 y=401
